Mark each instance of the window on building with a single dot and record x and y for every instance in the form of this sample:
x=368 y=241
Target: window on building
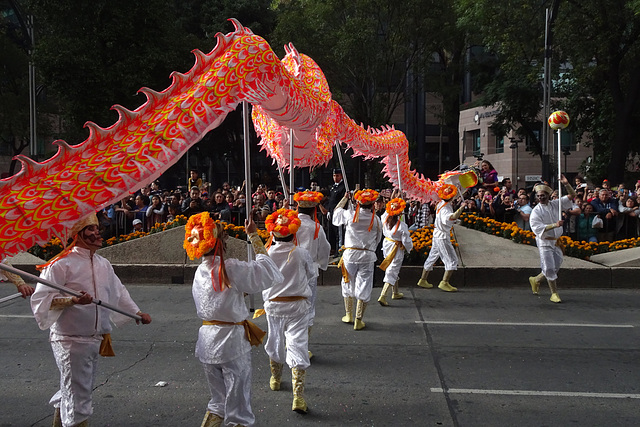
x=475 y=141
x=499 y=144
x=567 y=141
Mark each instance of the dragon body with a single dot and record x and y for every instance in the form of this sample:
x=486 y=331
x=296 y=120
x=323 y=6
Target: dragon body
x=290 y=96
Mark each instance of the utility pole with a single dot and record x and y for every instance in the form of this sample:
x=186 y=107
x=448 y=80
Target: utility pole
x=550 y=15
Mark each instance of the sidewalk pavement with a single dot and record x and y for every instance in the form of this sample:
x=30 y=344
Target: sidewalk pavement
x=485 y=261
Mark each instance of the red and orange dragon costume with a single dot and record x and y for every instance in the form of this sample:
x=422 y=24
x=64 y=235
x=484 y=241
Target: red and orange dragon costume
x=43 y=199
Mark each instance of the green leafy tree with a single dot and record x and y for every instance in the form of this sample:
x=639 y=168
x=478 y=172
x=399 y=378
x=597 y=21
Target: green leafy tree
x=367 y=49
x=595 y=71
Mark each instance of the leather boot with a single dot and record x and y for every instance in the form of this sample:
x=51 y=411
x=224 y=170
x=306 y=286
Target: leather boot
x=211 y=420
x=554 y=291
x=383 y=295
x=297 y=380
x=348 y=308
x=358 y=323
x=395 y=294
x=57 y=421
x=276 y=375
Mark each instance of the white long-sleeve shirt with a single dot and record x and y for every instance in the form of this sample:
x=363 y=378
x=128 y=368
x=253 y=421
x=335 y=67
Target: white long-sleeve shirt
x=81 y=271
x=319 y=248
x=298 y=269
x=222 y=343
x=400 y=234
x=543 y=215
x=357 y=234
x=443 y=224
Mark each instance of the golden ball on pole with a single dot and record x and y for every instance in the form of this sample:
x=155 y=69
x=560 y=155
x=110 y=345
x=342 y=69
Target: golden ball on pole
x=558 y=120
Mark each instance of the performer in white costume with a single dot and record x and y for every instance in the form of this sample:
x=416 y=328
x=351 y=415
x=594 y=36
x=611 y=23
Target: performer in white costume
x=363 y=232
x=441 y=246
x=23 y=288
x=546 y=223
x=311 y=236
x=287 y=305
x=80 y=330
x=396 y=241
x=226 y=336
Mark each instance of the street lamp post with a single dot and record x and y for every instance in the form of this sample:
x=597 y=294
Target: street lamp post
x=514 y=146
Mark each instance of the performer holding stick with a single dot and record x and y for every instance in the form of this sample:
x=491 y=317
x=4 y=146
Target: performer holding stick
x=226 y=336
x=396 y=241
x=441 y=246
x=78 y=330
x=24 y=289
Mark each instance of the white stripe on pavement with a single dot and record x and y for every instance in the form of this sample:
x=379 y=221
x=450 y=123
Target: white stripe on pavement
x=537 y=393
x=575 y=325
x=17 y=315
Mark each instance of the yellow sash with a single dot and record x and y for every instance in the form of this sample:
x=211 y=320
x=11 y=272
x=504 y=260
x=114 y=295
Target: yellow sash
x=252 y=332
x=343 y=269
x=385 y=263
x=105 y=346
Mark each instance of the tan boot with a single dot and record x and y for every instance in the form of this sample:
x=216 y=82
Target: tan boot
x=360 y=309
x=554 y=291
x=395 y=294
x=276 y=375
x=211 y=420
x=348 y=308
x=423 y=280
x=57 y=421
x=297 y=380
x=444 y=284
x=309 y=335
x=535 y=281
x=85 y=423
x=383 y=295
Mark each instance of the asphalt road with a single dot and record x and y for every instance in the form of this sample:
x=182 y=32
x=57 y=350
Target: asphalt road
x=479 y=357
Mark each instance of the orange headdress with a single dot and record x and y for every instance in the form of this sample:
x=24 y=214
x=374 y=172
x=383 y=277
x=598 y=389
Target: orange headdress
x=310 y=199
x=203 y=236
x=395 y=207
x=282 y=222
x=447 y=191
x=365 y=198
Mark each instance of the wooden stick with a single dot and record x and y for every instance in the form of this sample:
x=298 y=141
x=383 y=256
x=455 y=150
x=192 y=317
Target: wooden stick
x=37 y=279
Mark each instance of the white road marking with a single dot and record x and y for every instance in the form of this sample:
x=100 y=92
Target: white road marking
x=537 y=393
x=573 y=325
x=17 y=315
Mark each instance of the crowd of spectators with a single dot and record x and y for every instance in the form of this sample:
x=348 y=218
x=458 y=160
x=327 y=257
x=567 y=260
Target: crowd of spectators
x=598 y=213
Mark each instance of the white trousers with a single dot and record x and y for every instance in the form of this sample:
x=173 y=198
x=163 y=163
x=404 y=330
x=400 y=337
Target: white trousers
x=313 y=284
x=77 y=362
x=288 y=340
x=443 y=249
x=550 y=261
x=392 y=273
x=360 y=281
x=230 y=387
